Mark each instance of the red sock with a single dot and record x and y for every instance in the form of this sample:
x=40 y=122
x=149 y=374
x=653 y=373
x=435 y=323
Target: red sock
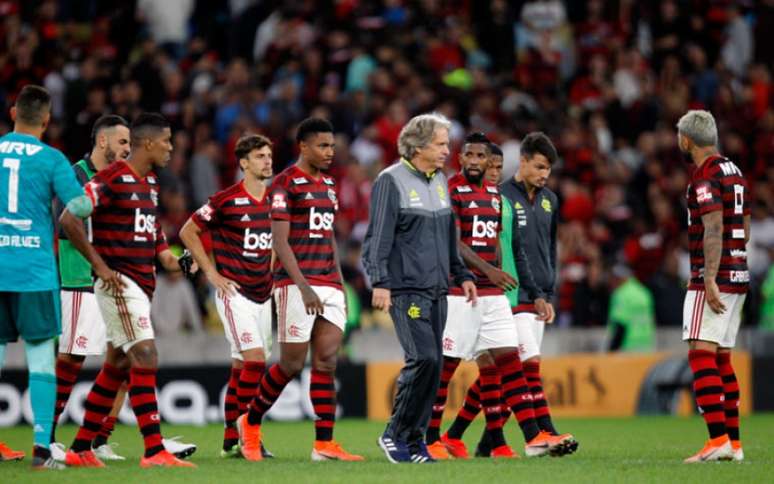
x=248 y=383
x=468 y=412
x=231 y=410
x=98 y=404
x=516 y=393
x=708 y=390
x=322 y=391
x=108 y=424
x=490 y=403
x=434 y=429
x=66 y=375
x=731 y=393
x=269 y=390
x=539 y=402
x=142 y=395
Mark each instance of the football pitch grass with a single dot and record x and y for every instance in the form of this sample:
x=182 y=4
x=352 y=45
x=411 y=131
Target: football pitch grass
x=643 y=449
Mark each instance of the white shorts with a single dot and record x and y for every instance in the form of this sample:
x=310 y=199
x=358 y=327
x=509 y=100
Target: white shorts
x=530 y=330
x=247 y=324
x=700 y=322
x=294 y=325
x=126 y=315
x=83 y=330
x=472 y=330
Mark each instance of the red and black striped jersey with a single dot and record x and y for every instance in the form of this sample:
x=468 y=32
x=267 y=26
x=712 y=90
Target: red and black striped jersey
x=718 y=185
x=125 y=225
x=241 y=238
x=310 y=206
x=477 y=214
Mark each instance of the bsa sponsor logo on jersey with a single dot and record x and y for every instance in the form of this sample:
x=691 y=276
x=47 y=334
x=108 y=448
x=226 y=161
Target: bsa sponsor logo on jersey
x=256 y=240
x=484 y=229
x=319 y=222
x=278 y=201
x=144 y=223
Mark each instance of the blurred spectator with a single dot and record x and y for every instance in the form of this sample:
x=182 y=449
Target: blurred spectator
x=632 y=323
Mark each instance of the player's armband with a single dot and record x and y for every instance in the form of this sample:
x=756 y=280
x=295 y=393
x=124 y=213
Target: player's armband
x=80 y=206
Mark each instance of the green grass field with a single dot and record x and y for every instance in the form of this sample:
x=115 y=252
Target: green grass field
x=645 y=449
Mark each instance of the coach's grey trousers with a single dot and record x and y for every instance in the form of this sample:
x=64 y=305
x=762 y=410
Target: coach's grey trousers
x=419 y=322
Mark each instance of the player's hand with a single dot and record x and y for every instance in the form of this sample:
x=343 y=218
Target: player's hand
x=188 y=265
x=712 y=294
x=224 y=287
x=471 y=294
x=381 y=299
x=545 y=311
x=312 y=302
x=110 y=279
x=502 y=279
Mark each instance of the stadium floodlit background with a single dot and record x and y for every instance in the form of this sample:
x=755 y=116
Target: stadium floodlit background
x=606 y=80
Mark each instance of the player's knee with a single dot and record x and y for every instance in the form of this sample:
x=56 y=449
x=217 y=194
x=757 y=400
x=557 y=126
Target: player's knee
x=326 y=365
x=40 y=356
x=292 y=368
x=144 y=355
x=72 y=359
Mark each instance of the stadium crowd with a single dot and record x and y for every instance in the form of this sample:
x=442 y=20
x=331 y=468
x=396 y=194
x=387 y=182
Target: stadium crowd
x=606 y=81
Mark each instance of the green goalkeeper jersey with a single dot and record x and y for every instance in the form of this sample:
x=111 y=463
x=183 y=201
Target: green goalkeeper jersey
x=506 y=248
x=74 y=269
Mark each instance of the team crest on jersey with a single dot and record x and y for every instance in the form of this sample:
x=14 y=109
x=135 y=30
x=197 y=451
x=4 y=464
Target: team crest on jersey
x=300 y=181
x=546 y=204
x=328 y=181
x=154 y=197
x=414 y=312
x=448 y=344
x=441 y=192
x=242 y=201
x=81 y=341
x=332 y=196
x=143 y=322
x=464 y=189
x=496 y=204
x=278 y=201
x=492 y=189
x=246 y=338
